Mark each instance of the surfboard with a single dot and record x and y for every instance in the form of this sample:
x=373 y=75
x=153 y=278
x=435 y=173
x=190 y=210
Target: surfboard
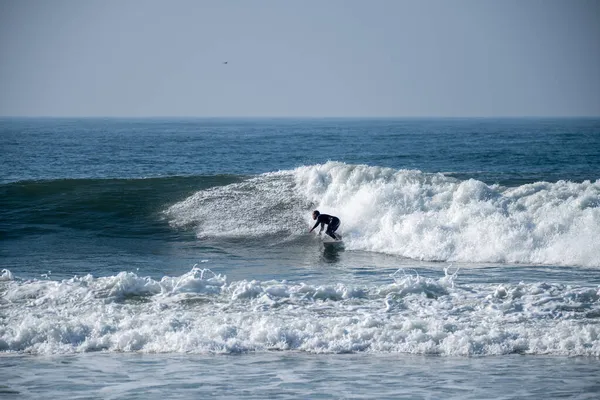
x=331 y=243
x=328 y=241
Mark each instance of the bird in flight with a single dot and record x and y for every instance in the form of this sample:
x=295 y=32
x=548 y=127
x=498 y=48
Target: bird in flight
x=224 y=62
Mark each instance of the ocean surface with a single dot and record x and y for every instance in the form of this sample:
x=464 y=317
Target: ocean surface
x=171 y=258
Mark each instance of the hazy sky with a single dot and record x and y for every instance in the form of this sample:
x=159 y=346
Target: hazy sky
x=300 y=58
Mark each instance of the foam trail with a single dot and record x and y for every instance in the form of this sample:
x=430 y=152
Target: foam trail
x=410 y=213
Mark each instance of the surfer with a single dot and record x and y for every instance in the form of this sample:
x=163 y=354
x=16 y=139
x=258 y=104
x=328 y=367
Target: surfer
x=332 y=223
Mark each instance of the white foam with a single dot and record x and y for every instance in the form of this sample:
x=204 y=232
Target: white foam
x=434 y=217
x=6 y=275
x=200 y=312
x=409 y=213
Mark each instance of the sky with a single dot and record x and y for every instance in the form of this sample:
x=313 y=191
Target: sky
x=314 y=58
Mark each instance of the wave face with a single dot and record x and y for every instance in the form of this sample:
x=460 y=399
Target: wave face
x=201 y=312
x=409 y=213
x=107 y=207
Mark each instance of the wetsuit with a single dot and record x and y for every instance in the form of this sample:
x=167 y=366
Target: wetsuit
x=332 y=224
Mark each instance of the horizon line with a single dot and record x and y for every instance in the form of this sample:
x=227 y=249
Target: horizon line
x=295 y=117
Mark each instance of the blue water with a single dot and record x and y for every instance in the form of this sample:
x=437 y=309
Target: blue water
x=491 y=150
x=470 y=266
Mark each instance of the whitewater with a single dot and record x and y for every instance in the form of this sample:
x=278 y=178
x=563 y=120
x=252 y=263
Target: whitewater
x=200 y=312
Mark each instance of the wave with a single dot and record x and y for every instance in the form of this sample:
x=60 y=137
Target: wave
x=417 y=215
x=119 y=207
x=201 y=312
x=422 y=216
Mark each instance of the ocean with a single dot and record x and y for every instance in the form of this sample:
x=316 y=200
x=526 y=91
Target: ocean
x=171 y=258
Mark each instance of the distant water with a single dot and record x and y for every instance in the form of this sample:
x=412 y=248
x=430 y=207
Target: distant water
x=171 y=258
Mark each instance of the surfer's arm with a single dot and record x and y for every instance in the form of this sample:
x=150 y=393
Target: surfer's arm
x=313 y=228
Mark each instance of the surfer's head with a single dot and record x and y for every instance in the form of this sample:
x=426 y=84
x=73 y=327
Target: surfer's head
x=316 y=214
